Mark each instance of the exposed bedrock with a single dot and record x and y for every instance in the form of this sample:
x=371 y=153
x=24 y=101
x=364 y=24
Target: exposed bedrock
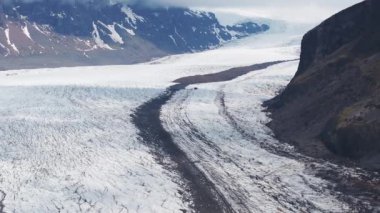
x=333 y=101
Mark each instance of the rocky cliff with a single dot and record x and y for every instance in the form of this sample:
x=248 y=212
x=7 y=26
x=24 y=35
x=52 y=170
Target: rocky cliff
x=333 y=103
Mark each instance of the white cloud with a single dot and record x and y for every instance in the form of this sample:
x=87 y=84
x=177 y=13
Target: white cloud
x=253 y=3
x=302 y=11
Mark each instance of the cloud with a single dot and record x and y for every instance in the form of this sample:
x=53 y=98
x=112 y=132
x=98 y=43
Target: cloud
x=302 y=11
x=229 y=11
x=225 y=3
x=251 y=3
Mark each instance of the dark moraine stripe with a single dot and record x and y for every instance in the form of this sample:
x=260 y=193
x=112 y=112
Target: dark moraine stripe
x=204 y=193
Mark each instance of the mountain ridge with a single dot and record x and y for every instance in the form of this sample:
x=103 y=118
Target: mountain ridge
x=331 y=106
x=70 y=34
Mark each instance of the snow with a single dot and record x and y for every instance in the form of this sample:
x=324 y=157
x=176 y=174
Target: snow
x=74 y=148
x=161 y=72
x=200 y=13
x=257 y=49
x=114 y=35
x=186 y=13
x=216 y=31
x=244 y=171
x=9 y=41
x=98 y=40
x=68 y=143
x=61 y=15
x=176 y=32
x=173 y=39
x=132 y=17
x=129 y=31
x=6 y=49
x=67 y=138
x=26 y=31
x=39 y=30
x=133 y=76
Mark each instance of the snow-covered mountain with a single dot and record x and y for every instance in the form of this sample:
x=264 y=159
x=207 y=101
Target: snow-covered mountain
x=55 y=33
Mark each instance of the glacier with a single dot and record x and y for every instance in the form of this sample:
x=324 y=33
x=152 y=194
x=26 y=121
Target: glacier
x=68 y=143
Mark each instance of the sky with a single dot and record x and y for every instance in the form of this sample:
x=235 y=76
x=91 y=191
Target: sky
x=300 y=11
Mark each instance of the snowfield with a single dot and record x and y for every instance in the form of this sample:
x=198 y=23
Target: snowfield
x=74 y=149
x=222 y=128
x=68 y=144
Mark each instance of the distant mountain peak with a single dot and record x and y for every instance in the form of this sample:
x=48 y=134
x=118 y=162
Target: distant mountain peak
x=45 y=27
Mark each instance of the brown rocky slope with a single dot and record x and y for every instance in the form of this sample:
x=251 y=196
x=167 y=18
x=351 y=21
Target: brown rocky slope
x=332 y=105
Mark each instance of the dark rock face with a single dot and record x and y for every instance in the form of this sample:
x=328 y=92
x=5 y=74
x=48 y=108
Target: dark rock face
x=97 y=32
x=182 y=30
x=333 y=100
x=248 y=28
